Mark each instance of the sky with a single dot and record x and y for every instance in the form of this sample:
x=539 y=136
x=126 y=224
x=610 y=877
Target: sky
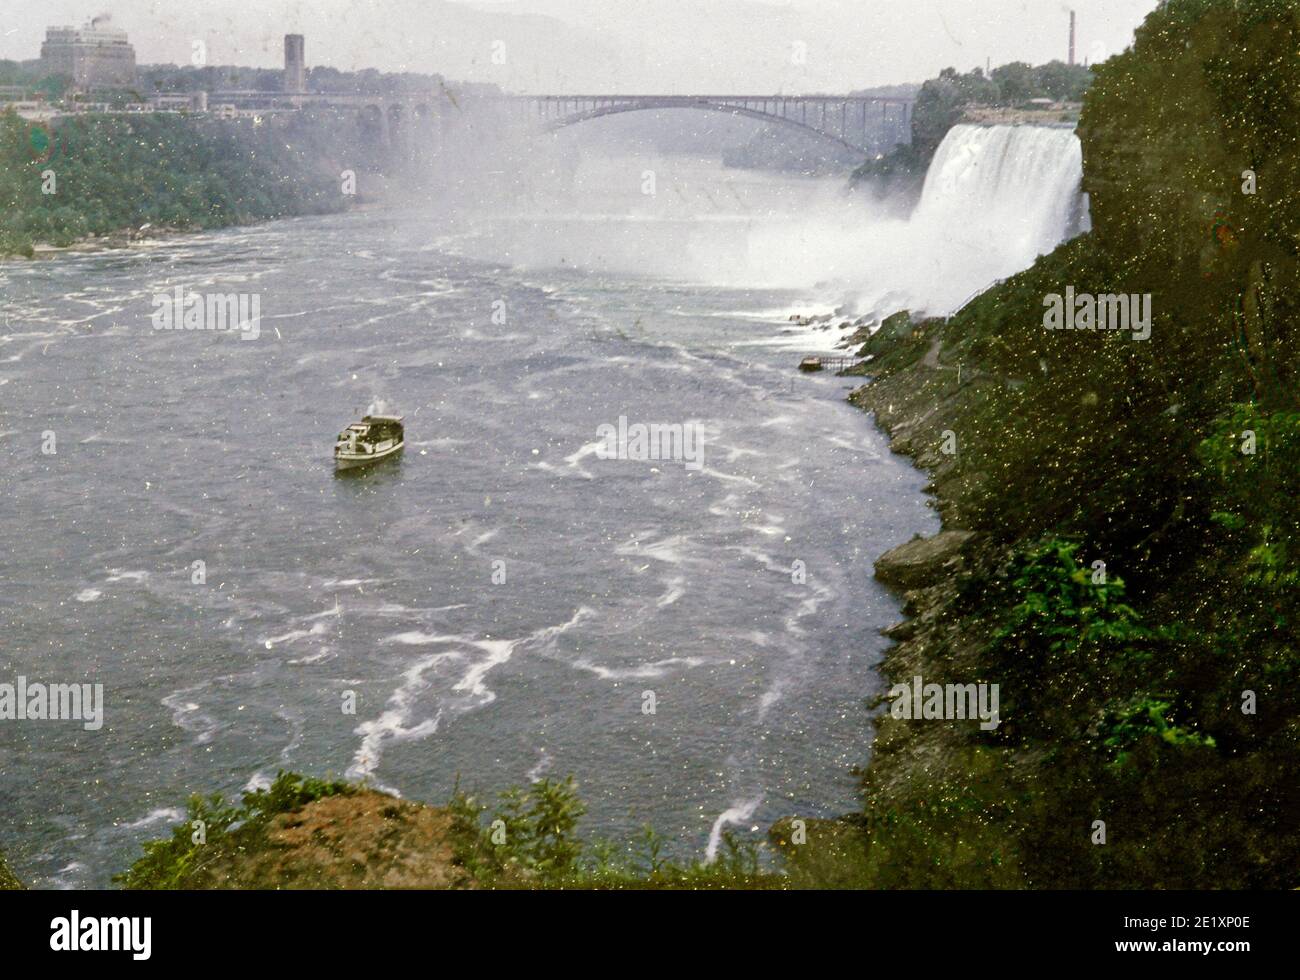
x=607 y=46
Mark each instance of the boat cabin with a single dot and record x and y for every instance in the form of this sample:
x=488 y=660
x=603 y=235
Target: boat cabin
x=373 y=430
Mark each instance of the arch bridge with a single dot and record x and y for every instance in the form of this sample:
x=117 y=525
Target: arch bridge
x=863 y=124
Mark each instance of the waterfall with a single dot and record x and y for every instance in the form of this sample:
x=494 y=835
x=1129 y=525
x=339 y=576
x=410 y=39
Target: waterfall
x=995 y=198
x=1011 y=189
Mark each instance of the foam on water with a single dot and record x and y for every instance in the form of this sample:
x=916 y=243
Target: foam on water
x=621 y=578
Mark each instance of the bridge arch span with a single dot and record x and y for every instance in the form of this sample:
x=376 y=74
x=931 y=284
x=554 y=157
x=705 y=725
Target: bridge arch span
x=554 y=125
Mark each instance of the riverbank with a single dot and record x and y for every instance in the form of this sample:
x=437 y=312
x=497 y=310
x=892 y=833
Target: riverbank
x=103 y=181
x=1060 y=114
x=1130 y=588
x=301 y=832
x=936 y=799
x=125 y=238
x=306 y=833
x=118 y=238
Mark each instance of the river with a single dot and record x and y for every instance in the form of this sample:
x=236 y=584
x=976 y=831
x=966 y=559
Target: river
x=503 y=603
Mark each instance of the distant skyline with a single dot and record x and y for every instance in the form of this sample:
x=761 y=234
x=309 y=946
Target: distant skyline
x=669 y=46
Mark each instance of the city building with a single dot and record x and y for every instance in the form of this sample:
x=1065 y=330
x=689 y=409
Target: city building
x=94 y=56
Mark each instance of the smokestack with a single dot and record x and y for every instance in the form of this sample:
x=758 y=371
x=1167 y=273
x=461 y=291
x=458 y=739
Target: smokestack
x=295 y=64
x=1071 y=37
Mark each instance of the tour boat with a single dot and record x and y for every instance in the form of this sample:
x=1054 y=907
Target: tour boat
x=374 y=438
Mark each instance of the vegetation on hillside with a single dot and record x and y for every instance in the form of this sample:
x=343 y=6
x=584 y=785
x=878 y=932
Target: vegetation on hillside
x=1140 y=501
x=215 y=830
x=8 y=881
x=112 y=172
x=211 y=78
x=529 y=839
x=943 y=101
x=31 y=76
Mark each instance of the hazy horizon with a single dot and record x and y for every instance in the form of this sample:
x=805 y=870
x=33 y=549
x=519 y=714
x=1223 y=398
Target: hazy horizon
x=568 y=46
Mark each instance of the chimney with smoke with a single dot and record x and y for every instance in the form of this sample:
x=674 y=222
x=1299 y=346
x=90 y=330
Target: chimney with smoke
x=1071 y=37
x=295 y=64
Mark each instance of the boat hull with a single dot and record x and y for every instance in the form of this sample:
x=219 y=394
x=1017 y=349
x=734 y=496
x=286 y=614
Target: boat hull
x=356 y=461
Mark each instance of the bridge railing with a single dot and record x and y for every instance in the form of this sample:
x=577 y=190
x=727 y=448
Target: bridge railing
x=849 y=119
x=973 y=296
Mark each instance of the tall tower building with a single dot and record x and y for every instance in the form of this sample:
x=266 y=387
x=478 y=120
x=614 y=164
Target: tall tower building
x=295 y=64
x=1071 y=37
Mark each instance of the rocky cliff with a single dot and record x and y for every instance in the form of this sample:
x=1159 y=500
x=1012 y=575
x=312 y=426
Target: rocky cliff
x=1133 y=592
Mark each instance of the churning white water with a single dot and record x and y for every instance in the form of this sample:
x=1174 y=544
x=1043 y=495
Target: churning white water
x=1011 y=191
x=622 y=577
x=994 y=198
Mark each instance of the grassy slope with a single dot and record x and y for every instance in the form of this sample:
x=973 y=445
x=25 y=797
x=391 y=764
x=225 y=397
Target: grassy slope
x=1122 y=700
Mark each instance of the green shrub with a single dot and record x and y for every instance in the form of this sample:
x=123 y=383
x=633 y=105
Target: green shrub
x=529 y=840
x=1066 y=641
x=1140 y=717
x=179 y=861
x=1252 y=460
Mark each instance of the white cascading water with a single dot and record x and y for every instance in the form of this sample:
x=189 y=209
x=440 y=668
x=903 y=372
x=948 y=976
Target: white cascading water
x=1009 y=191
x=995 y=198
x=1022 y=179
